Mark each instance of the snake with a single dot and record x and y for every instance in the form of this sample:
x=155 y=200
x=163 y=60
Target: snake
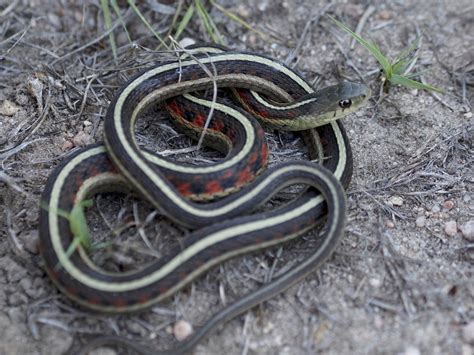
x=222 y=228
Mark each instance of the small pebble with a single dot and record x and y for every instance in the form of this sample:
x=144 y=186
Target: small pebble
x=8 y=108
x=468 y=114
x=252 y=39
x=467 y=230
x=81 y=139
x=466 y=350
x=31 y=241
x=67 y=145
x=396 y=201
x=268 y=327
x=35 y=88
x=384 y=15
x=54 y=20
x=420 y=221
x=451 y=228
x=243 y=11
x=389 y=224
x=182 y=330
x=448 y=204
x=468 y=333
x=186 y=42
x=412 y=350
x=444 y=215
x=375 y=282
x=57 y=83
x=420 y=211
x=136 y=328
x=262 y=5
x=378 y=321
x=435 y=209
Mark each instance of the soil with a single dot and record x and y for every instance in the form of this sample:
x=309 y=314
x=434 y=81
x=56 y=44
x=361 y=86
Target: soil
x=402 y=279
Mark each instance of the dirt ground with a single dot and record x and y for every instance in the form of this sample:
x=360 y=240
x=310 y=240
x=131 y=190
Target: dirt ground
x=402 y=280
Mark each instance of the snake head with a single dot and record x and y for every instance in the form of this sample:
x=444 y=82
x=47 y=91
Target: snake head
x=334 y=102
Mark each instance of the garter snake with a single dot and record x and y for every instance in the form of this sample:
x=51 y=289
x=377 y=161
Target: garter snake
x=225 y=231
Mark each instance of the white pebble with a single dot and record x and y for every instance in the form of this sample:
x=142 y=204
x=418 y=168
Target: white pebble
x=262 y=5
x=467 y=230
x=182 y=330
x=451 y=228
x=396 y=201
x=8 y=108
x=375 y=282
x=411 y=350
x=186 y=42
x=243 y=11
x=466 y=349
x=420 y=221
x=468 y=333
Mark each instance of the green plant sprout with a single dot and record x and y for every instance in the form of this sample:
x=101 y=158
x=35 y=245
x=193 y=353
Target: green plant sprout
x=195 y=7
x=394 y=72
x=208 y=23
x=79 y=229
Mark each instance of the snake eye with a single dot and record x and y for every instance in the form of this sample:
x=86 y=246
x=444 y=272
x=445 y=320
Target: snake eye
x=345 y=103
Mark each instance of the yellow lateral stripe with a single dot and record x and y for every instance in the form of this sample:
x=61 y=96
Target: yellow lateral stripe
x=139 y=160
x=187 y=253
x=249 y=131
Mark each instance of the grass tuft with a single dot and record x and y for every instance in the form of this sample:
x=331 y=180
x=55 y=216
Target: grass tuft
x=394 y=72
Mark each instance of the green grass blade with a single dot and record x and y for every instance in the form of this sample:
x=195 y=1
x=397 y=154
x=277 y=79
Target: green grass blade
x=184 y=21
x=100 y=245
x=104 y=4
x=406 y=56
x=119 y=14
x=408 y=50
x=410 y=83
x=207 y=22
x=238 y=20
x=371 y=47
x=147 y=24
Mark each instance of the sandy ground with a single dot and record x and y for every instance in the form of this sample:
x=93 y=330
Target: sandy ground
x=402 y=279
